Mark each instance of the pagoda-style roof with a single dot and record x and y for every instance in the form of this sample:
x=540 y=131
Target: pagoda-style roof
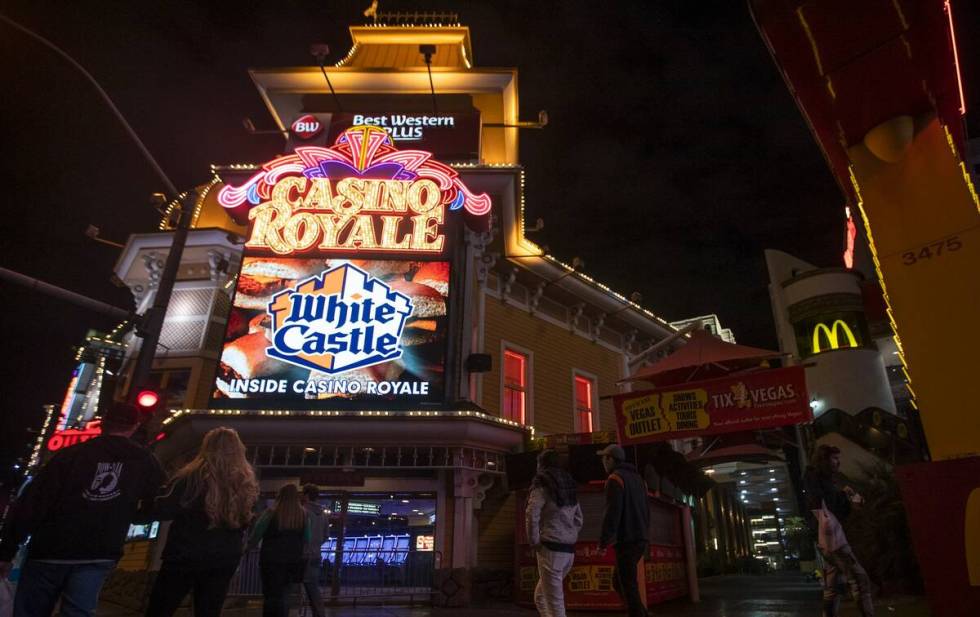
x=381 y=46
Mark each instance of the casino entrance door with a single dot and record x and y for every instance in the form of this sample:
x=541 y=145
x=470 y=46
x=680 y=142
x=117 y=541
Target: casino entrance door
x=419 y=476
x=378 y=543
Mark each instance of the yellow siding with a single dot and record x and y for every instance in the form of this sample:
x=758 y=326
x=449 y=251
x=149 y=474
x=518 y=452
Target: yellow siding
x=495 y=542
x=556 y=351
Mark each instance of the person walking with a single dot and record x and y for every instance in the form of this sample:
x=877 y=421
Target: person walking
x=625 y=525
x=284 y=530
x=77 y=511
x=552 y=519
x=830 y=507
x=210 y=502
x=319 y=532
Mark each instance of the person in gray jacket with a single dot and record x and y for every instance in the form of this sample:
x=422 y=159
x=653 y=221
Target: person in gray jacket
x=553 y=519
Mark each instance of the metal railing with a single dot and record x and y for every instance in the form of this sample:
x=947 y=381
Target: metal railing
x=378 y=457
x=370 y=572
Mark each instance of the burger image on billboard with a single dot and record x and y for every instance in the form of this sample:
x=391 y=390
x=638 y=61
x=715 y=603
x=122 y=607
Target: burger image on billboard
x=260 y=279
x=350 y=329
x=306 y=127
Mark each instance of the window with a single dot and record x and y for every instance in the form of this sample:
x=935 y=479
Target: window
x=584 y=403
x=514 y=404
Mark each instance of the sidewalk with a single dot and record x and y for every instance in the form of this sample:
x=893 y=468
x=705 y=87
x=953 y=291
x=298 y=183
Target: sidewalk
x=771 y=595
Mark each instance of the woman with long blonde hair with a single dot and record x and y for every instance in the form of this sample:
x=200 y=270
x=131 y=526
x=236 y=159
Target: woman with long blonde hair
x=284 y=530
x=210 y=501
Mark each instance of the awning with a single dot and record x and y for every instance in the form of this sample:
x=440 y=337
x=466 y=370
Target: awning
x=704 y=356
x=745 y=453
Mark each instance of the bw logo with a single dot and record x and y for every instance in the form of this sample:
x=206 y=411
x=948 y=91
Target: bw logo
x=339 y=320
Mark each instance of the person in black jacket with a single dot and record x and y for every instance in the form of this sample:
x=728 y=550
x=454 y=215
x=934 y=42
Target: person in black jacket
x=285 y=531
x=210 y=502
x=77 y=512
x=625 y=524
x=840 y=564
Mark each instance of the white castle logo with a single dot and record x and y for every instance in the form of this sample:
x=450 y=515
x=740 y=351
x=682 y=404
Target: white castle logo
x=339 y=320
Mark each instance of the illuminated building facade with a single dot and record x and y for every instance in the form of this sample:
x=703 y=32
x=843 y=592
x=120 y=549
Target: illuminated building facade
x=365 y=309
x=710 y=323
x=826 y=318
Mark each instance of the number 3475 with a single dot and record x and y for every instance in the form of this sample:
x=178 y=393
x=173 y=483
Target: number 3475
x=936 y=249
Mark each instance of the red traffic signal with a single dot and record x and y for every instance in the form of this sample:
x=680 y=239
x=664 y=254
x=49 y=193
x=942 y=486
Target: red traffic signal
x=147 y=400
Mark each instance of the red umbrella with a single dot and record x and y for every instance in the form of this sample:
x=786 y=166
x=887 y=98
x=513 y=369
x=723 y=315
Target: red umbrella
x=704 y=356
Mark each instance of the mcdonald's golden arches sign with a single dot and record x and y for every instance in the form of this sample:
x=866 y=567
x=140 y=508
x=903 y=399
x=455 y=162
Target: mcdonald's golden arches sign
x=837 y=335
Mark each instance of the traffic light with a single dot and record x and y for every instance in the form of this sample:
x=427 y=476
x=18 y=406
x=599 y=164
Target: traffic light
x=147 y=402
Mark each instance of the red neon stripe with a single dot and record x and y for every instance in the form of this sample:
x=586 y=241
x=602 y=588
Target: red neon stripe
x=956 y=58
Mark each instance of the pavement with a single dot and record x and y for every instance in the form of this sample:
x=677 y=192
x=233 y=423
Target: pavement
x=771 y=595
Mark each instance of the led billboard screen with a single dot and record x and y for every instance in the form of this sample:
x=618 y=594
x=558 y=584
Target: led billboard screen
x=341 y=329
x=343 y=293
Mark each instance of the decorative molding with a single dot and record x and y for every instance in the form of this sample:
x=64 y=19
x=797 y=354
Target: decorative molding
x=507 y=284
x=576 y=315
x=597 y=327
x=536 y=297
x=154 y=268
x=629 y=340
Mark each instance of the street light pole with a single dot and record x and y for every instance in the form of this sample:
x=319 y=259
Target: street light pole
x=152 y=323
x=171 y=189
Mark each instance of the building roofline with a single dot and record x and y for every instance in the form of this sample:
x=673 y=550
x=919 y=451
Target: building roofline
x=819 y=271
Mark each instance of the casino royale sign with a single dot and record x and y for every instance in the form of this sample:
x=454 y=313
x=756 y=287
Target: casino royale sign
x=360 y=195
x=343 y=295
x=353 y=214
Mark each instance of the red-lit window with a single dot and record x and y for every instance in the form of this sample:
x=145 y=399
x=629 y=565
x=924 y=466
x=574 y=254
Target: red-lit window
x=584 y=403
x=514 y=405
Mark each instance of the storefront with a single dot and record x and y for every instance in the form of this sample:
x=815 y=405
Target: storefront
x=365 y=309
x=667 y=571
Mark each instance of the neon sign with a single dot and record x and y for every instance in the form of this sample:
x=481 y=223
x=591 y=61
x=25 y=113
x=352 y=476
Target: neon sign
x=306 y=127
x=69 y=437
x=849 y=235
x=833 y=339
x=361 y=194
x=81 y=400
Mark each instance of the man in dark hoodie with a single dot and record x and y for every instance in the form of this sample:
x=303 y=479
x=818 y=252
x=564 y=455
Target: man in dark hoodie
x=625 y=524
x=76 y=512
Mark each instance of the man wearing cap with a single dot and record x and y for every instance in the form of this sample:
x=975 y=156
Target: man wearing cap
x=625 y=524
x=77 y=511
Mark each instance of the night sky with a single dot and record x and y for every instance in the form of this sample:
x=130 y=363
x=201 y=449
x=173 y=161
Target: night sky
x=674 y=108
